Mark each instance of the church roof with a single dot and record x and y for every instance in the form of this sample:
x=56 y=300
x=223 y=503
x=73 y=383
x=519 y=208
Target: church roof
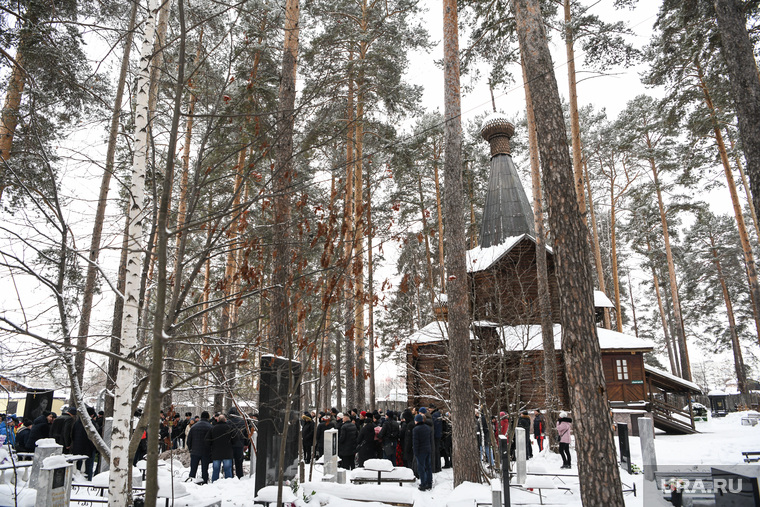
x=507 y=212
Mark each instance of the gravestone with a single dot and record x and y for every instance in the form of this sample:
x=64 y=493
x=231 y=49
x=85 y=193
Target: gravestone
x=504 y=450
x=521 y=454
x=107 y=430
x=279 y=399
x=54 y=483
x=44 y=449
x=331 y=454
x=625 y=448
x=648 y=455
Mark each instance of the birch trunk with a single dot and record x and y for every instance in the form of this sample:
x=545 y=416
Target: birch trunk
x=119 y=492
x=100 y=212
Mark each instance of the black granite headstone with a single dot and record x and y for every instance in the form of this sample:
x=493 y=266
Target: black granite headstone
x=625 y=448
x=279 y=376
x=734 y=489
x=504 y=455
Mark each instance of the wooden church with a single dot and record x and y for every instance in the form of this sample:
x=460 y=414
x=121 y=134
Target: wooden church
x=507 y=344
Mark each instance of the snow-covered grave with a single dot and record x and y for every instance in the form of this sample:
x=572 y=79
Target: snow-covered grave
x=720 y=442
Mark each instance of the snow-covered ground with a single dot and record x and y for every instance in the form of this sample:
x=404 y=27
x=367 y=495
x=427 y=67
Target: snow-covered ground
x=720 y=442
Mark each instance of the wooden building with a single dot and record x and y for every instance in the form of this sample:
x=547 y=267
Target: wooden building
x=507 y=345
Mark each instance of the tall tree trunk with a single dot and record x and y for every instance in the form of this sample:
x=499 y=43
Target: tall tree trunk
x=171 y=345
x=426 y=239
x=745 y=184
x=358 y=270
x=473 y=228
x=669 y=343
x=280 y=340
x=680 y=335
x=371 y=300
x=575 y=124
x=349 y=239
x=597 y=457
x=441 y=260
x=160 y=324
x=100 y=212
x=739 y=53
x=119 y=492
x=597 y=246
x=465 y=450
x=749 y=256
x=741 y=376
x=542 y=273
x=633 y=306
x=613 y=254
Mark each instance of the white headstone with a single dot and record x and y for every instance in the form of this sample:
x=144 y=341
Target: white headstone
x=331 y=453
x=648 y=455
x=54 y=483
x=520 y=453
x=46 y=447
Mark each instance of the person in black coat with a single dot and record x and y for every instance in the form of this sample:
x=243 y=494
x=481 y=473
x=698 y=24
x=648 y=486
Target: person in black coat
x=524 y=422
x=220 y=439
x=421 y=438
x=240 y=441
x=324 y=425
x=437 y=439
x=347 y=439
x=200 y=451
x=389 y=437
x=40 y=429
x=22 y=437
x=366 y=442
x=307 y=436
x=407 y=425
x=81 y=444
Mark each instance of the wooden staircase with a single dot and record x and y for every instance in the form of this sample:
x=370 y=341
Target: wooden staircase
x=671 y=419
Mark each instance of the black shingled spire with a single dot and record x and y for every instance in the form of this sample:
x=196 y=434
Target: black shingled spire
x=507 y=211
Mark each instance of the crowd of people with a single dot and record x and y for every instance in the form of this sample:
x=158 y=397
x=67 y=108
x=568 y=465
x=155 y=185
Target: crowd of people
x=417 y=438
x=67 y=430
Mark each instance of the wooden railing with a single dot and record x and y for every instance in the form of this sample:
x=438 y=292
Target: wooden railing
x=667 y=411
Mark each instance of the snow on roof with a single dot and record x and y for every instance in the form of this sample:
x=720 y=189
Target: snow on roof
x=436 y=331
x=716 y=392
x=480 y=259
x=673 y=378
x=529 y=338
x=601 y=300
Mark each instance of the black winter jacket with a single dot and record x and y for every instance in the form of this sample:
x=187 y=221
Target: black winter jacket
x=347 y=439
x=196 y=438
x=421 y=437
x=220 y=438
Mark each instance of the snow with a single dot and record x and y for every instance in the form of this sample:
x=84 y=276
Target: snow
x=716 y=392
x=480 y=259
x=601 y=300
x=494 y=118
x=719 y=444
x=528 y=337
x=47 y=443
x=52 y=462
x=677 y=380
x=381 y=465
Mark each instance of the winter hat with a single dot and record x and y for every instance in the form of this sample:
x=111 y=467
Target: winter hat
x=502 y=414
x=423 y=410
x=418 y=418
x=340 y=415
x=363 y=413
x=389 y=413
x=563 y=414
x=307 y=414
